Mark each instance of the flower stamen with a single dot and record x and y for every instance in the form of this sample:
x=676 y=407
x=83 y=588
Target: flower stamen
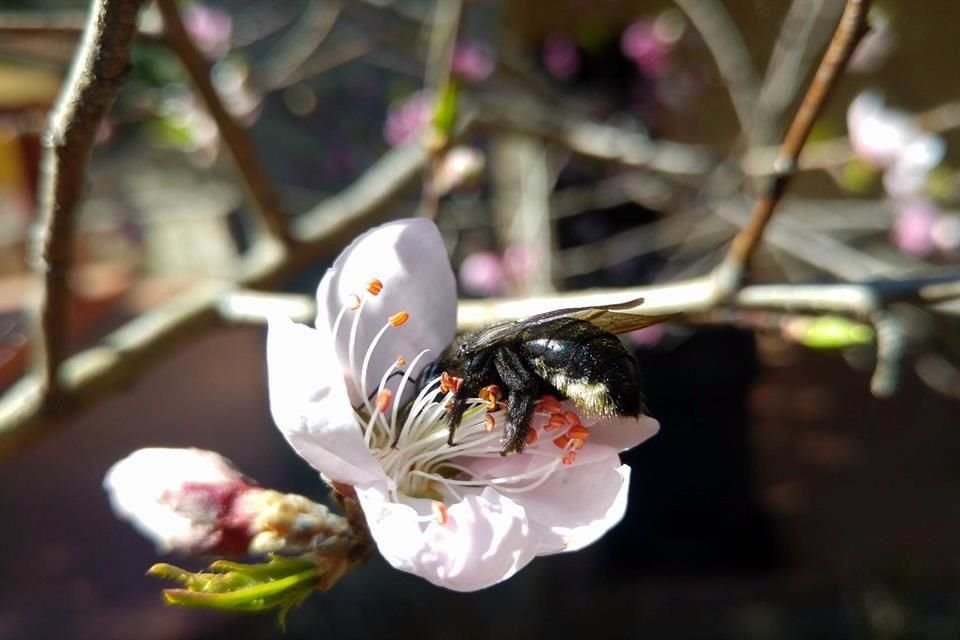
x=374 y=286
x=384 y=398
x=398 y=319
x=449 y=383
x=440 y=513
x=490 y=393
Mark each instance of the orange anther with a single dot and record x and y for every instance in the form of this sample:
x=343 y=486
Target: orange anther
x=439 y=512
x=555 y=422
x=383 y=400
x=579 y=431
x=571 y=417
x=532 y=436
x=569 y=457
x=549 y=404
x=401 y=361
x=562 y=441
x=398 y=318
x=353 y=302
x=375 y=287
x=491 y=394
x=489 y=423
x=449 y=383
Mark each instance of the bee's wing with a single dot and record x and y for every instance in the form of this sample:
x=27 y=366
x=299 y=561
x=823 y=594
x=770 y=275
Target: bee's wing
x=613 y=318
x=492 y=335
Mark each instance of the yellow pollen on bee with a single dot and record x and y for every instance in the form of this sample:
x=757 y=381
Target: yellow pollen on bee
x=489 y=423
x=398 y=318
x=384 y=398
x=439 y=512
x=375 y=287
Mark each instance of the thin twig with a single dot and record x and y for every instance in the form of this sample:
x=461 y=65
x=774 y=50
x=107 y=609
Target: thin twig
x=849 y=30
x=730 y=53
x=265 y=199
x=605 y=142
x=98 y=70
x=803 y=33
x=283 y=62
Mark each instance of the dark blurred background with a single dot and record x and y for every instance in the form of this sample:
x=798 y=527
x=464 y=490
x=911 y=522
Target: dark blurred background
x=780 y=500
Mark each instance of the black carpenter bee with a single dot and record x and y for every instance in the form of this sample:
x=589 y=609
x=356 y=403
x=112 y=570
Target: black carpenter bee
x=567 y=354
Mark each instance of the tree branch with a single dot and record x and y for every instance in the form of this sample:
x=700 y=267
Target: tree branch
x=264 y=197
x=98 y=70
x=851 y=27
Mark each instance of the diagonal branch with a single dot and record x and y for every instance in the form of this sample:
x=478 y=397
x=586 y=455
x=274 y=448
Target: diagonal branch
x=265 y=199
x=851 y=27
x=98 y=70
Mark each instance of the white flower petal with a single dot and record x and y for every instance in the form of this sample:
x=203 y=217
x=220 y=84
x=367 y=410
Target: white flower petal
x=576 y=508
x=143 y=489
x=623 y=433
x=485 y=540
x=877 y=134
x=410 y=259
x=309 y=403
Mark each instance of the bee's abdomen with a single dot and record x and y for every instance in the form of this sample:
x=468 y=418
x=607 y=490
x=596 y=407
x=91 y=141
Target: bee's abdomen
x=588 y=365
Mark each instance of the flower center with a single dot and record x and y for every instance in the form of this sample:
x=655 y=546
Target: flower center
x=409 y=439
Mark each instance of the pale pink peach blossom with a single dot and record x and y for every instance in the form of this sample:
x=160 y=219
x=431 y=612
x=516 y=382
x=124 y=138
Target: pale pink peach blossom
x=462 y=517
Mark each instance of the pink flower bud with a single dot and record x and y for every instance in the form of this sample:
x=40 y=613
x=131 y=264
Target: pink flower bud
x=185 y=500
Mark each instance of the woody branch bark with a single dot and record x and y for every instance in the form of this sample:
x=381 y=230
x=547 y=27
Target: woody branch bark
x=99 y=69
x=851 y=27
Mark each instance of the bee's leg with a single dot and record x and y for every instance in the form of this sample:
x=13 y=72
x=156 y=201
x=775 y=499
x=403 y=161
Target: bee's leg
x=477 y=373
x=524 y=388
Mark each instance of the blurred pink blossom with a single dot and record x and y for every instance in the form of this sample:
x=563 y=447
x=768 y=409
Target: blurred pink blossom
x=642 y=44
x=408 y=118
x=211 y=28
x=481 y=274
x=890 y=140
x=560 y=57
x=913 y=228
x=472 y=61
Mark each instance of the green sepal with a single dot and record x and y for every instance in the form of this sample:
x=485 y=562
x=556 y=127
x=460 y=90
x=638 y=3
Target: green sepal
x=277 y=585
